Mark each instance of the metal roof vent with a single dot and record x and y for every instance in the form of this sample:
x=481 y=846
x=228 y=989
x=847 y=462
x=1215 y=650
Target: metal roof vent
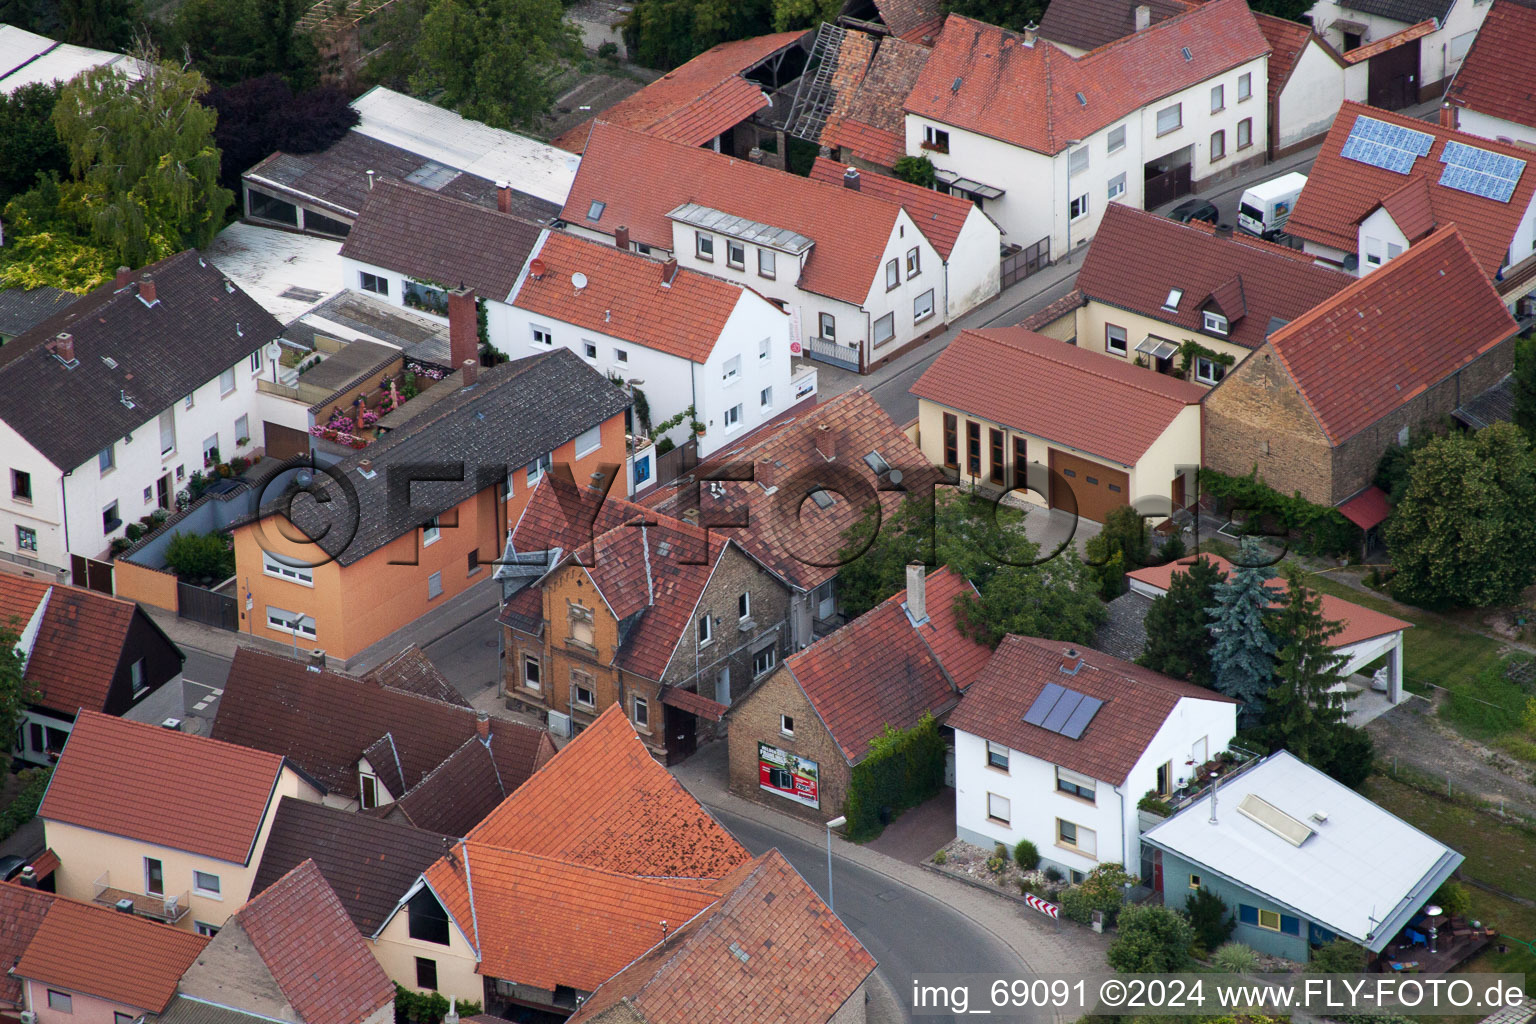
x=1187 y=54
x=1082 y=99
x=1321 y=817
x=956 y=86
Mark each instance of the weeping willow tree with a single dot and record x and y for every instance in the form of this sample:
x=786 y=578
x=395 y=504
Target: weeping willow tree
x=144 y=153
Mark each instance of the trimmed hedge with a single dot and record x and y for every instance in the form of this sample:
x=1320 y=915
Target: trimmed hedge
x=903 y=769
x=427 y=1007
x=24 y=808
x=1313 y=529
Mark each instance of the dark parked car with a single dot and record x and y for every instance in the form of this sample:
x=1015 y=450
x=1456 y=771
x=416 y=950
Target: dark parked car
x=1195 y=209
x=10 y=867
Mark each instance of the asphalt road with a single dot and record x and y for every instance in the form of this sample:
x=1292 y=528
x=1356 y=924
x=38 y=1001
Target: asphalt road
x=907 y=931
x=468 y=655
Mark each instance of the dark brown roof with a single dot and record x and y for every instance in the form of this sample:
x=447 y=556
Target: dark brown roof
x=769 y=944
x=1409 y=12
x=412 y=671
x=324 y=721
x=434 y=237
x=911 y=19
x=515 y=413
x=1125 y=271
x=161 y=353
x=1495 y=78
x=369 y=862
x=1089 y=24
x=1136 y=703
x=21 y=309
x=473 y=782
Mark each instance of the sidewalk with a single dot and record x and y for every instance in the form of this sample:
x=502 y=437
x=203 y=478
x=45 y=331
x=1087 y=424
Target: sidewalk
x=1044 y=946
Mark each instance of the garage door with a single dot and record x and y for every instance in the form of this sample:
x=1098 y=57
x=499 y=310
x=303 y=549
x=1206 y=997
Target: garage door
x=1094 y=488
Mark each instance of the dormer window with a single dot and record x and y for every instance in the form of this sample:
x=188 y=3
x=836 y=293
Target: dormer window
x=1215 y=323
x=1171 y=303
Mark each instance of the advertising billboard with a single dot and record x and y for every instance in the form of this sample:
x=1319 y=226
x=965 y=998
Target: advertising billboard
x=791 y=777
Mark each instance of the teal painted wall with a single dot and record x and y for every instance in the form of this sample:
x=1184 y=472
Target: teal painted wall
x=1176 y=889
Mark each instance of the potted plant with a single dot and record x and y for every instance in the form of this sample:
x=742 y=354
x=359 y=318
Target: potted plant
x=241 y=442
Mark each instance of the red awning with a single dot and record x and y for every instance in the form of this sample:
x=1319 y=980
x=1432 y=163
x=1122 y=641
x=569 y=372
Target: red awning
x=1368 y=508
x=45 y=863
x=687 y=700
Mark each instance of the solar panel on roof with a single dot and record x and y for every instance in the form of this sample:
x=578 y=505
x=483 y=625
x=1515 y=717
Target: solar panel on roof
x=1043 y=703
x=1068 y=703
x=1390 y=147
x=1080 y=718
x=1479 y=172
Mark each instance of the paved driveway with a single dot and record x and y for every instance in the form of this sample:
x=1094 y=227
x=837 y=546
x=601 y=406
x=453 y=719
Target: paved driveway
x=919 y=832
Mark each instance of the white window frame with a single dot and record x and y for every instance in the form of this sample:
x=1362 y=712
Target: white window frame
x=431 y=531
x=918 y=314
x=1116 y=186
x=537 y=664
x=279 y=619
x=1077 y=209
x=704 y=246
x=256 y=362
x=765 y=398
x=1177 y=113
x=589 y=440
x=936 y=138
x=1077 y=161
x=1208 y=371
x=744 y=606
x=540 y=336
x=588 y=349
x=273 y=566
x=914 y=262
x=892 y=275
x=767 y=263
x=577 y=688
x=1218 y=99
x=538 y=467
x=214 y=893
x=435 y=586
x=1244 y=86
x=787 y=725
x=60 y=1002
x=884 y=329
x=640 y=712
x=1115 y=335
x=205 y=929
x=730 y=371
x=1117 y=138
x=769 y=663
x=1216 y=323
x=765 y=349
x=106 y=459
x=1175 y=296
x=997 y=756
x=735 y=254
x=705 y=630
x=620 y=355
x=227 y=383
x=26 y=538
x=999 y=809
x=375 y=283
x=732 y=417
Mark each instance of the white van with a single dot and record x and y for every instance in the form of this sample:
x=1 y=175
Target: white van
x=1264 y=209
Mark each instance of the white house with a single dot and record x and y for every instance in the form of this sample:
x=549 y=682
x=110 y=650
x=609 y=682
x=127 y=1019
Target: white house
x=108 y=407
x=1308 y=81
x=1057 y=744
x=1411 y=47
x=1488 y=96
x=1044 y=140
x=677 y=337
x=857 y=274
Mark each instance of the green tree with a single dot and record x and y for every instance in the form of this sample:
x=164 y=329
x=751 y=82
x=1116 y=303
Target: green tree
x=1243 y=656
x=491 y=60
x=48 y=241
x=232 y=40
x=1125 y=535
x=916 y=169
x=1011 y=14
x=1210 y=917
x=144 y=151
x=666 y=33
x=1302 y=715
x=104 y=24
x=1460 y=534
x=1179 y=637
x=15 y=692
x=1525 y=385
x=790 y=14
x=1152 y=940
x=1337 y=957
x=985 y=544
x=29 y=144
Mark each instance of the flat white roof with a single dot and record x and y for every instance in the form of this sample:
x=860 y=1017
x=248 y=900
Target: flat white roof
x=284 y=271
x=531 y=166
x=1361 y=873
x=26 y=57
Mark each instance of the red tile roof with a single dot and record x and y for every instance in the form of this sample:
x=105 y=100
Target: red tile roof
x=871 y=123
x=796 y=539
x=910 y=18
x=699 y=100
x=411 y=671
x=770 y=944
x=1136 y=703
x=122 y=958
x=546 y=922
x=1412 y=209
x=1391 y=42
x=1404 y=327
x=939 y=216
x=865 y=142
x=1287 y=41
x=1368 y=508
x=603 y=801
x=1027 y=95
x=313 y=951
x=687 y=700
x=1126 y=272
x=624 y=297
x=880 y=670
x=21 y=913
x=185 y=792
x=1065 y=394
x=78 y=648
x=642 y=179
x=1340 y=193
x=1360 y=623
x=1496 y=75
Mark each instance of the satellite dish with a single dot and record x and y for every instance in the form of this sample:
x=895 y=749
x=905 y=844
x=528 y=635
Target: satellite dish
x=578 y=280
x=274 y=349
x=536 y=268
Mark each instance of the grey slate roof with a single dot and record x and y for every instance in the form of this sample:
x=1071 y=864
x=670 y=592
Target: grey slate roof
x=1496 y=405
x=1123 y=632
x=338 y=177
x=515 y=413
x=434 y=237
x=1089 y=24
x=200 y=325
x=373 y=317
x=1409 y=12
x=368 y=861
x=184 y=1010
x=21 y=309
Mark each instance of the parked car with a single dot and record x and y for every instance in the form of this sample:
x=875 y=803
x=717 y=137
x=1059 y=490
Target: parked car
x=1195 y=209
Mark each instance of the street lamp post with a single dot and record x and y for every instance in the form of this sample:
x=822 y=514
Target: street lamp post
x=837 y=822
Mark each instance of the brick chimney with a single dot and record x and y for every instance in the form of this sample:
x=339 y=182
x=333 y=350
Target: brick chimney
x=471 y=369
x=64 y=347
x=1143 y=17
x=1450 y=117
x=147 y=289
x=851 y=178
x=463 y=326
x=668 y=272
x=765 y=473
x=621 y=237
x=121 y=279
x=1071 y=661
x=504 y=196
x=917 y=591
x=826 y=442
x=317 y=659
x=1031 y=33
x=365 y=466
x=483 y=725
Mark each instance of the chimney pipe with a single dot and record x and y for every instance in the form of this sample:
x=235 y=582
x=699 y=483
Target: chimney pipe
x=147 y=289
x=463 y=326
x=483 y=725
x=1031 y=33
x=64 y=347
x=621 y=237
x=366 y=465
x=1215 y=781
x=28 y=877
x=1071 y=661
x=504 y=196
x=851 y=178
x=826 y=442
x=917 y=591
x=121 y=280
x=668 y=272
x=765 y=473
x=471 y=372
x=452 y=1016
x=369 y=172
x=1143 y=17
x=317 y=659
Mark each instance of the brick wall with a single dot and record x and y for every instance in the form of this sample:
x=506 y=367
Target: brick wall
x=756 y=718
